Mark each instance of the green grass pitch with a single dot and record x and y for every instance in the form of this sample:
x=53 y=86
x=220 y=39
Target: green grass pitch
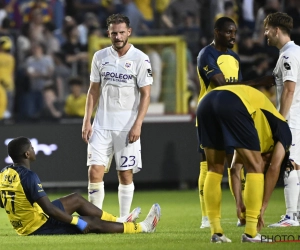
x=178 y=228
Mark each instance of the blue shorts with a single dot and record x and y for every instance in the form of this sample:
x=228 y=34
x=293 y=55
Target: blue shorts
x=53 y=226
x=224 y=123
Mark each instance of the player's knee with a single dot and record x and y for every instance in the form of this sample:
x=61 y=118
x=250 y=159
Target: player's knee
x=125 y=177
x=96 y=173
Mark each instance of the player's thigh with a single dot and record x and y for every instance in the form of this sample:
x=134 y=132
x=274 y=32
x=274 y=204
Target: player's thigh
x=209 y=130
x=127 y=155
x=295 y=147
x=100 y=148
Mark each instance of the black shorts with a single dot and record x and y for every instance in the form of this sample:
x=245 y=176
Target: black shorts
x=224 y=123
x=53 y=226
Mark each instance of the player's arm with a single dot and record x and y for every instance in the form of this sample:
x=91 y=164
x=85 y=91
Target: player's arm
x=287 y=97
x=91 y=101
x=272 y=173
x=135 y=132
x=58 y=214
x=235 y=175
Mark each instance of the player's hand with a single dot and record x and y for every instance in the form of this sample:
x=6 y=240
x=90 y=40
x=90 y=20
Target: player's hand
x=134 y=133
x=261 y=221
x=241 y=213
x=86 y=131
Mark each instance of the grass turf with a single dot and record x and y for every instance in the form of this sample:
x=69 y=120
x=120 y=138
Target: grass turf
x=178 y=228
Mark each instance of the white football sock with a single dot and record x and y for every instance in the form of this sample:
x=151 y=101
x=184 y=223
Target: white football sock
x=125 y=196
x=291 y=193
x=298 y=208
x=96 y=193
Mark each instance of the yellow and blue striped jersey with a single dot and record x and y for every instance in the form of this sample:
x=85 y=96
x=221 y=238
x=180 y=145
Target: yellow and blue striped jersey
x=211 y=61
x=20 y=188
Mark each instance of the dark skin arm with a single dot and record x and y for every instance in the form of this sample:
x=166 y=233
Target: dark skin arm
x=53 y=211
x=1 y=204
x=235 y=171
x=271 y=178
x=267 y=81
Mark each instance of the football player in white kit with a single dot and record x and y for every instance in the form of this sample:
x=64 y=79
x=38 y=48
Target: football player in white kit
x=120 y=80
x=278 y=27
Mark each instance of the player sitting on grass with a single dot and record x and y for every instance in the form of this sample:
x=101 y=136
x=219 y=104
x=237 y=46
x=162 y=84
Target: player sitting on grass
x=31 y=213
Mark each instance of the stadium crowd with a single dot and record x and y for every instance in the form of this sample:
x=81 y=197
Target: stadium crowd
x=44 y=67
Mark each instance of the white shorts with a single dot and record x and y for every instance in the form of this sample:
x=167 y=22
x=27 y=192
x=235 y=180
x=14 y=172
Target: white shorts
x=104 y=144
x=295 y=148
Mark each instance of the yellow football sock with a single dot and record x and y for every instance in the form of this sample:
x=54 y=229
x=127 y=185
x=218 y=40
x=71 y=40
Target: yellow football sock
x=132 y=228
x=212 y=198
x=201 y=179
x=108 y=217
x=254 y=190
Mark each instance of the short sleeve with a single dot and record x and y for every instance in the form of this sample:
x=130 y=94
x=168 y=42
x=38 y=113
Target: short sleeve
x=95 y=71
x=289 y=67
x=144 y=72
x=33 y=187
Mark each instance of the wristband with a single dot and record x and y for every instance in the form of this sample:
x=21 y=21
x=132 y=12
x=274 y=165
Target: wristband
x=81 y=224
x=74 y=220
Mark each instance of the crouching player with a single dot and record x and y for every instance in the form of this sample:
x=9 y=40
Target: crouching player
x=225 y=128
x=31 y=213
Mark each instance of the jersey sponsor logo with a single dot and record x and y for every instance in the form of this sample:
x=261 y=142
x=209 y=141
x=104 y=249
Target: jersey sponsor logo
x=231 y=79
x=116 y=76
x=287 y=66
x=10 y=179
x=149 y=73
x=128 y=64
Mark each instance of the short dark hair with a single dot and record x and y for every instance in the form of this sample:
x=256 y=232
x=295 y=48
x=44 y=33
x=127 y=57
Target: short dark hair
x=17 y=147
x=280 y=20
x=116 y=19
x=220 y=23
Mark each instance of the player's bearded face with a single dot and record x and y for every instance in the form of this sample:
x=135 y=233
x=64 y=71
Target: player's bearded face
x=270 y=33
x=118 y=34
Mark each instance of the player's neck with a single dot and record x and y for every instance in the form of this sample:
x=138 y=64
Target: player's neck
x=283 y=41
x=22 y=163
x=218 y=47
x=124 y=50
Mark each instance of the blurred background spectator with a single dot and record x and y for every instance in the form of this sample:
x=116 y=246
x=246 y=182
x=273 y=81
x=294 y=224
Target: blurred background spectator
x=48 y=43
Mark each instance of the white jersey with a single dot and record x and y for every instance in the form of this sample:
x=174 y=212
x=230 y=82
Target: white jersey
x=120 y=79
x=288 y=69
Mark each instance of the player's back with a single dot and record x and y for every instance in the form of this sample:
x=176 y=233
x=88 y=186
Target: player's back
x=24 y=214
x=269 y=123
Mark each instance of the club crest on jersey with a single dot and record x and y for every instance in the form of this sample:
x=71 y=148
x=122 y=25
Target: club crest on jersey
x=89 y=156
x=128 y=64
x=287 y=66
